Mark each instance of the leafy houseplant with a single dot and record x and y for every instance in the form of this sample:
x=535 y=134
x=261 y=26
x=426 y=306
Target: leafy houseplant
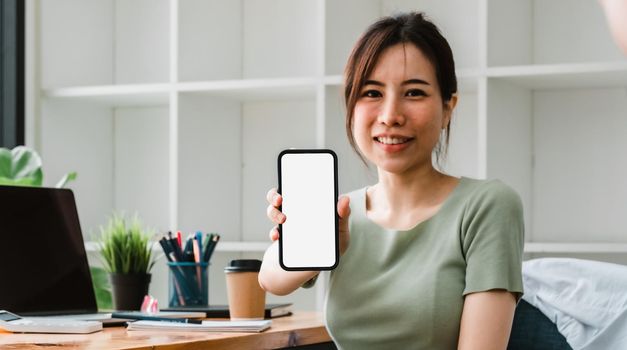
x=21 y=166
x=127 y=253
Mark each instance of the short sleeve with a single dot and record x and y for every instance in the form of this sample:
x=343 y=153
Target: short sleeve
x=493 y=239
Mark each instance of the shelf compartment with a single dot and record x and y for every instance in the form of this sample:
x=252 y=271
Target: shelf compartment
x=523 y=32
x=244 y=39
x=103 y=42
x=281 y=38
x=76 y=137
x=210 y=40
x=140 y=164
x=209 y=164
x=121 y=163
x=566 y=76
x=577 y=172
x=562 y=149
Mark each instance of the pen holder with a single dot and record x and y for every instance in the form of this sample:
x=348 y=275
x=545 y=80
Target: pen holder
x=188 y=284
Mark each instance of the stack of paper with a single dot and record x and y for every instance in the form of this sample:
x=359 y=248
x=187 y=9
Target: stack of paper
x=206 y=326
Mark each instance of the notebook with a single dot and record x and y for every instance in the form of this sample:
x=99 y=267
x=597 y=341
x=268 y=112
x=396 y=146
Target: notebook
x=206 y=326
x=43 y=263
x=222 y=311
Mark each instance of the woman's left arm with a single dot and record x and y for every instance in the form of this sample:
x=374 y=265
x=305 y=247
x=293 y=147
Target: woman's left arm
x=486 y=320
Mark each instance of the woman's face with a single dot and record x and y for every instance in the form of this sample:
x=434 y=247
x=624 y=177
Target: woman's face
x=399 y=115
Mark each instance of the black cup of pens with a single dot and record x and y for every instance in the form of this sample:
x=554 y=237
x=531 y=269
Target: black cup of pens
x=188 y=284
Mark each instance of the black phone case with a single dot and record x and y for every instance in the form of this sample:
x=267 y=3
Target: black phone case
x=335 y=197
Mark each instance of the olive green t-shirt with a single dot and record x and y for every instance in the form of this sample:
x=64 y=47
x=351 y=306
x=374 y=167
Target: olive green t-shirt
x=405 y=289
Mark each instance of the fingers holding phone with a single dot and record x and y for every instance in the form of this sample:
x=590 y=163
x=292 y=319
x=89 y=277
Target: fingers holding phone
x=274 y=214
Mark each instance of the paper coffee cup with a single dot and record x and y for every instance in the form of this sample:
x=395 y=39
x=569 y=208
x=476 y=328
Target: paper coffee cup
x=247 y=300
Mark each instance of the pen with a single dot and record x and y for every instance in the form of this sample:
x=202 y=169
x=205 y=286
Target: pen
x=211 y=247
x=167 y=249
x=188 y=251
x=196 y=252
x=134 y=316
x=197 y=256
x=175 y=248
x=206 y=243
x=198 y=242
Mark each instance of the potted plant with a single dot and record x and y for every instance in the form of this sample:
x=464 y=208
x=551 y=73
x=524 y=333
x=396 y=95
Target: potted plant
x=127 y=253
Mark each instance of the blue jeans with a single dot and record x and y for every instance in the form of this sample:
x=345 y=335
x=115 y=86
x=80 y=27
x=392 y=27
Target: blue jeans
x=532 y=330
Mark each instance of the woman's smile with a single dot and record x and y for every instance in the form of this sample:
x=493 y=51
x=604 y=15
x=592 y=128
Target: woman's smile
x=393 y=144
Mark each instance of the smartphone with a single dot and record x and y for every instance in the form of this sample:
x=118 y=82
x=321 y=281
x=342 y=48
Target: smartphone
x=309 y=238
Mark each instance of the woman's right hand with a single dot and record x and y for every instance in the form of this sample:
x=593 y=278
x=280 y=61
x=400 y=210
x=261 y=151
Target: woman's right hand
x=277 y=217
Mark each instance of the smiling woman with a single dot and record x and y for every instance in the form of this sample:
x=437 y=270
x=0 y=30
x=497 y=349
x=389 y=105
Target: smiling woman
x=433 y=261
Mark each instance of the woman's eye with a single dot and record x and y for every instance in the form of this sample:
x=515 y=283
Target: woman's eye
x=416 y=93
x=371 y=93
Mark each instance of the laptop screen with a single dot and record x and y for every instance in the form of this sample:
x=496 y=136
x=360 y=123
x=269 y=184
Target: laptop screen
x=43 y=263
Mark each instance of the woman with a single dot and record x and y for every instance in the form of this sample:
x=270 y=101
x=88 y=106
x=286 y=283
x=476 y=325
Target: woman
x=434 y=261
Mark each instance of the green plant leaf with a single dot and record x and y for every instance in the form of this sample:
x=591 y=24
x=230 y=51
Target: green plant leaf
x=20 y=166
x=20 y=182
x=126 y=248
x=5 y=162
x=102 y=288
x=67 y=178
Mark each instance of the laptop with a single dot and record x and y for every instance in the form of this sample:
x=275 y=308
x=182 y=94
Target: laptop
x=43 y=263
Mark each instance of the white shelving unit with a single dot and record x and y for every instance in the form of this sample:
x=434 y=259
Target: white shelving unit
x=177 y=109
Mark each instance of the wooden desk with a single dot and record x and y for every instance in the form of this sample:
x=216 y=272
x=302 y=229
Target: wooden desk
x=302 y=328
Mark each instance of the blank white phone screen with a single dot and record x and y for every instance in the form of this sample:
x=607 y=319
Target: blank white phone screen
x=308 y=190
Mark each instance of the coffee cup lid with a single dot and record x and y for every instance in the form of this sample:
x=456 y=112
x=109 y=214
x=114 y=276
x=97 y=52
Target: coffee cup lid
x=243 y=265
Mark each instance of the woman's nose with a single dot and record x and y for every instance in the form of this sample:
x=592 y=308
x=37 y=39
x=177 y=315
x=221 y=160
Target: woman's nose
x=391 y=112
